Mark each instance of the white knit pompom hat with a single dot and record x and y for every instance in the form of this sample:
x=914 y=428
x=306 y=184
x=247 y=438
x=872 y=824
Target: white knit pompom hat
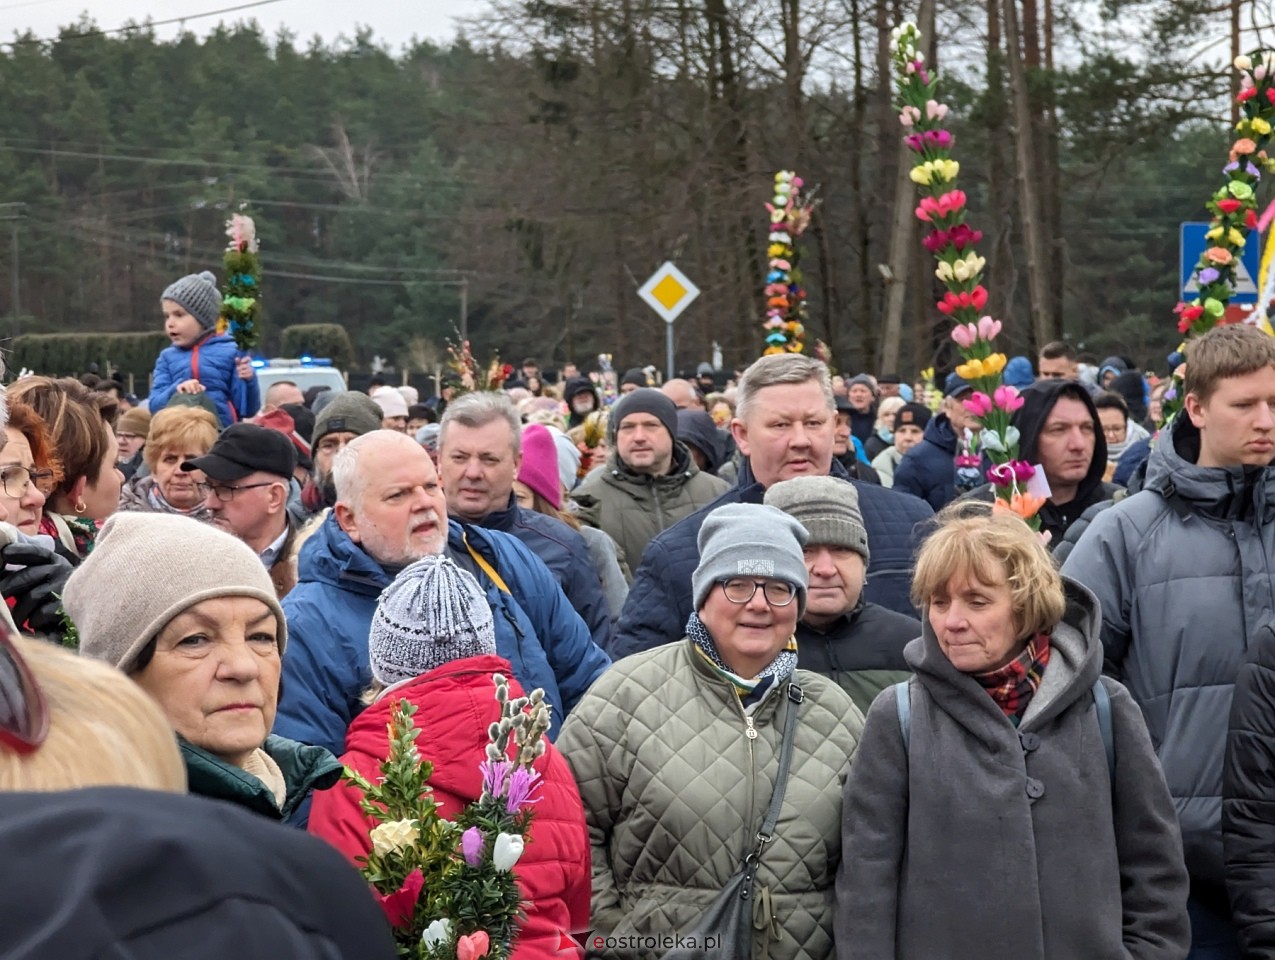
x=433 y=613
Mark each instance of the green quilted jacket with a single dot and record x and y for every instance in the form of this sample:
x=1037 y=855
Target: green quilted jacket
x=674 y=792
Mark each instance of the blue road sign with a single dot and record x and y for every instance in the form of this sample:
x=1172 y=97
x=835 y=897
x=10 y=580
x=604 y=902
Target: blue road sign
x=1246 y=271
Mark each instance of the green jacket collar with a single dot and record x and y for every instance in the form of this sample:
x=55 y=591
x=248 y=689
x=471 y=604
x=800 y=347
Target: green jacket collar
x=305 y=768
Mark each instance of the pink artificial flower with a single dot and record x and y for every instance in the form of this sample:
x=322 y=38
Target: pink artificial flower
x=1006 y=398
x=988 y=329
x=935 y=110
x=978 y=404
x=473 y=946
x=965 y=334
x=915 y=142
x=935 y=241
x=401 y=904
x=940 y=139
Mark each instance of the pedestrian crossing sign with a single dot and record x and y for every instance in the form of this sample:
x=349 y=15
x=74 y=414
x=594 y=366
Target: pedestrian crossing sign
x=1194 y=243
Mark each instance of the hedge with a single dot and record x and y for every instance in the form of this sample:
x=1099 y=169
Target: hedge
x=318 y=340
x=71 y=354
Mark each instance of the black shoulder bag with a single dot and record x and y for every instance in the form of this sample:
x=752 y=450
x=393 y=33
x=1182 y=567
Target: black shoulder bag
x=725 y=931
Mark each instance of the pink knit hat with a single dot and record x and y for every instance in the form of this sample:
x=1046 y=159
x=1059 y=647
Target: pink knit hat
x=539 y=468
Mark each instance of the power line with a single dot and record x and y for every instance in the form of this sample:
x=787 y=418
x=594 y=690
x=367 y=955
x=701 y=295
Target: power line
x=142 y=26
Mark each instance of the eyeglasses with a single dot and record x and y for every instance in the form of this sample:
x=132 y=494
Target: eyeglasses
x=17 y=481
x=226 y=492
x=778 y=593
x=24 y=713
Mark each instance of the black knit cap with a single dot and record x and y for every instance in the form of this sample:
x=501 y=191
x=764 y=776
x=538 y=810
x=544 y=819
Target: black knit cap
x=912 y=414
x=645 y=400
x=635 y=376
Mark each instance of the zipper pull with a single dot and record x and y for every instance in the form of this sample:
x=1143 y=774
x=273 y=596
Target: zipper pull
x=751 y=732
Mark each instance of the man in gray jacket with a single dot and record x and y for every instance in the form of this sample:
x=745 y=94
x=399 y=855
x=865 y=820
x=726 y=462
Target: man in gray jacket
x=1184 y=576
x=650 y=481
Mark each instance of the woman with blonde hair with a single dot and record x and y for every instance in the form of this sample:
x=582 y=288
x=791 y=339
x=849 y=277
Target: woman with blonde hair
x=177 y=434
x=67 y=722
x=1006 y=801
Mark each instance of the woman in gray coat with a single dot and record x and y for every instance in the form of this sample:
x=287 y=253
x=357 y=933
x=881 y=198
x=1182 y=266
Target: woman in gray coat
x=1012 y=808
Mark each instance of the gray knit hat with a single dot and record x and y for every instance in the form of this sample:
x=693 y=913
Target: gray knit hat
x=750 y=540
x=170 y=563
x=348 y=412
x=644 y=400
x=827 y=507
x=198 y=295
x=433 y=613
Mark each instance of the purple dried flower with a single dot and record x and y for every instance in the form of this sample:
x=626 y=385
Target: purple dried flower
x=1208 y=275
x=494 y=774
x=471 y=846
x=521 y=784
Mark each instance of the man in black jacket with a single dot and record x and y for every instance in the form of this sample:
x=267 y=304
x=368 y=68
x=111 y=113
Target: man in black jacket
x=857 y=644
x=783 y=424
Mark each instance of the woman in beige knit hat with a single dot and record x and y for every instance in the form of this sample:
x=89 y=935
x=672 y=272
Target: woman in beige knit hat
x=197 y=626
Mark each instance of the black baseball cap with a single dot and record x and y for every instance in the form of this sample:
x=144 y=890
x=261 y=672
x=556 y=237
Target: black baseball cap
x=245 y=448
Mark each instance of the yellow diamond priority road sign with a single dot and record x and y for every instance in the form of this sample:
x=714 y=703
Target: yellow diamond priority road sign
x=668 y=292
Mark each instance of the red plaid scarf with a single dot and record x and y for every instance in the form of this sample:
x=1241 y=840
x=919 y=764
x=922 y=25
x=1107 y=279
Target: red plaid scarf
x=1013 y=685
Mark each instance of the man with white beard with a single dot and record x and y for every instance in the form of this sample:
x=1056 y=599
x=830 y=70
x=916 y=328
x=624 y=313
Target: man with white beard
x=391 y=511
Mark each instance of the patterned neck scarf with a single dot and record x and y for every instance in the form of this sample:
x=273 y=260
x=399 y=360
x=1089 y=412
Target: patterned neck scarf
x=750 y=691
x=160 y=504
x=1013 y=685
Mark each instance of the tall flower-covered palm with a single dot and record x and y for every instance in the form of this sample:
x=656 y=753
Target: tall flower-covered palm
x=953 y=242
x=789 y=216
x=1234 y=209
x=241 y=295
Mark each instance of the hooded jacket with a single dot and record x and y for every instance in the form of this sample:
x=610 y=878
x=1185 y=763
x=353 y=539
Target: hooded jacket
x=928 y=470
x=634 y=507
x=566 y=555
x=979 y=841
x=675 y=790
x=660 y=599
x=455 y=705
x=1039 y=401
x=1183 y=573
x=330 y=610
x=861 y=652
x=211 y=361
x=696 y=428
x=573 y=386
x=143 y=875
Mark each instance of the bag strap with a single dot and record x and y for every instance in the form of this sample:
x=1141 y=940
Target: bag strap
x=903 y=705
x=486 y=567
x=767 y=832
x=1102 y=706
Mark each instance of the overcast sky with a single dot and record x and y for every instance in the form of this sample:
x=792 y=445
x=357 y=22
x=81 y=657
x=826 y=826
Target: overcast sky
x=392 y=21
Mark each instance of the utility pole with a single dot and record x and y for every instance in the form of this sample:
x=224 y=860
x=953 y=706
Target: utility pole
x=15 y=213
x=464 y=309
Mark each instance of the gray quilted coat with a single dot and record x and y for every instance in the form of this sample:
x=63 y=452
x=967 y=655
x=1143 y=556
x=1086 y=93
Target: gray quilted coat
x=674 y=792
x=1185 y=574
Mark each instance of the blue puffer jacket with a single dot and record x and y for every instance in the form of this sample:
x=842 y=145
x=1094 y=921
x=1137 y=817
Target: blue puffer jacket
x=660 y=600
x=329 y=612
x=566 y=555
x=211 y=361
x=928 y=470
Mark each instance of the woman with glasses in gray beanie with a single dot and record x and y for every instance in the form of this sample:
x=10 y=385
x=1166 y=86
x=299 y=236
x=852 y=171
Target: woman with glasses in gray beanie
x=190 y=613
x=433 y=644
x=679 y=751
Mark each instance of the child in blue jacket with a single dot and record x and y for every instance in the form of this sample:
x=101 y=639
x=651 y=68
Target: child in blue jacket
x=200 y=359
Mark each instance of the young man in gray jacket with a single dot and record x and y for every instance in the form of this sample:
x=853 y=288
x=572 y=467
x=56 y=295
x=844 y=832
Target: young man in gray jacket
x=1184 y=576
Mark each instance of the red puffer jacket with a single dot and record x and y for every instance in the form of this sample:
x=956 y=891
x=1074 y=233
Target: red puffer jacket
x=456 y=704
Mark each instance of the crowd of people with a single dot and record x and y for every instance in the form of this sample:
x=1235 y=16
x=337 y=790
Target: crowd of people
x=783 y=632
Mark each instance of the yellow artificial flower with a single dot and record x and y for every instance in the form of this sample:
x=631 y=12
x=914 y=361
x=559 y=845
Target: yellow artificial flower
x=920 y=174
x=994 y=364
x=947 y=169
x=1260 y=126
x=970 y=371
x=1235 y=238
x=1213 y=234
x=775 y=250
x=944 y=272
